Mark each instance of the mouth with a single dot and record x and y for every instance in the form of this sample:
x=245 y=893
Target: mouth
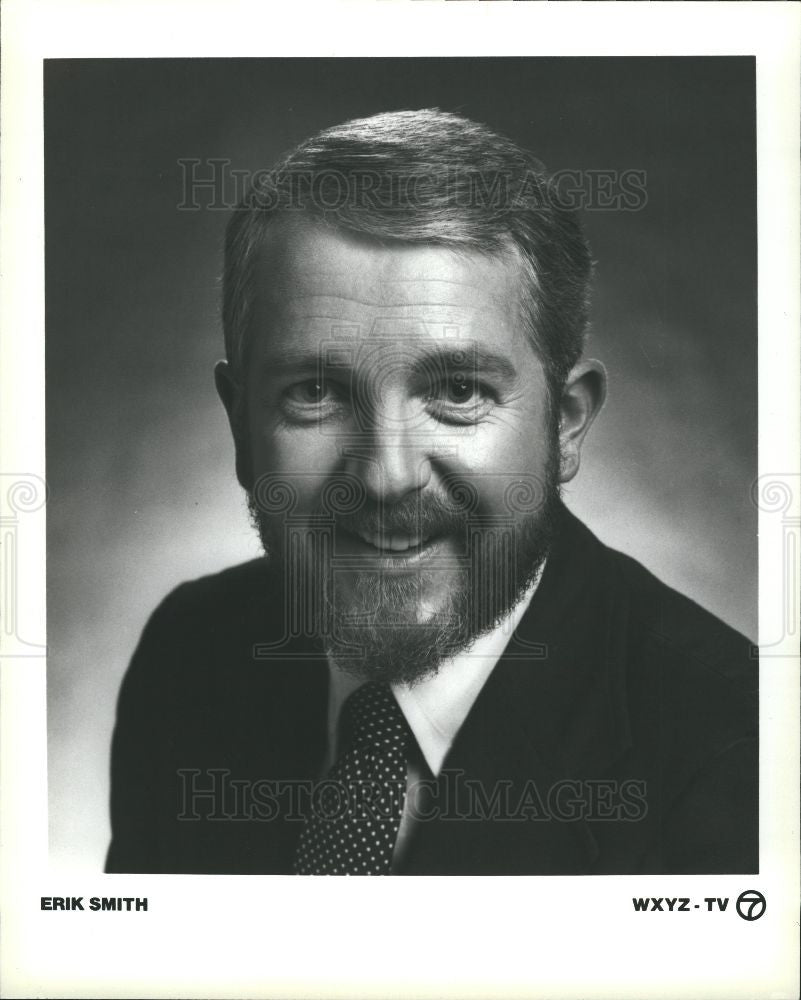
x=392 y=548
x=394 y=542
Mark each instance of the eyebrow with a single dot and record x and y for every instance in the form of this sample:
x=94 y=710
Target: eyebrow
x=290 y=361
x=443 y=355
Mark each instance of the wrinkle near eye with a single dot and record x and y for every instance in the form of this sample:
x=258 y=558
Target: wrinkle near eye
x=312 y=399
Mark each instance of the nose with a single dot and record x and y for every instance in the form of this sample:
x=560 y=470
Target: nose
x=389 y=458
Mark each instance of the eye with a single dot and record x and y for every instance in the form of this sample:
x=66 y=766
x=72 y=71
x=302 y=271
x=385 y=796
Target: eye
x=314 y=390
x=460 y=399
x=311 y=392
x=313 y=399
x=460 y=389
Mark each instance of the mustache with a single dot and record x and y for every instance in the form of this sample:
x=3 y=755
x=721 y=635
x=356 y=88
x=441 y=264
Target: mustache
x=425 y=515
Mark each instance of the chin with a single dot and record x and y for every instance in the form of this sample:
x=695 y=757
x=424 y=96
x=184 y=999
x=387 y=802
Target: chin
x=397 y=630
x=394 y=654
x=383 y=600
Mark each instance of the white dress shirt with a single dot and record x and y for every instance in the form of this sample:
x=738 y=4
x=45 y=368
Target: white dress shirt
x=435 y=707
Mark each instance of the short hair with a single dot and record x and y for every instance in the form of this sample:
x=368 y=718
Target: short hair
x=424 y=177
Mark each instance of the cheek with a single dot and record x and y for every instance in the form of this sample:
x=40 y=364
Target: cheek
x=302 y=459
x=506 y=454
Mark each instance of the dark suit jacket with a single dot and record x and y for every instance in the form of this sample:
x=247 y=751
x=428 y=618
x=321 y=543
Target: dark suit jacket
x=617 y=734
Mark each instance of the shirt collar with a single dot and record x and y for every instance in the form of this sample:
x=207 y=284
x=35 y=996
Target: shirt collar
x=436 y=706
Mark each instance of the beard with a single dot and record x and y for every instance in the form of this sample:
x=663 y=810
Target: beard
x=383 y=624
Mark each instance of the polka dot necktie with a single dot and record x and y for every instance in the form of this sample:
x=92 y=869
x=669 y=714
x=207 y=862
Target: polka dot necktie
x=356 y=810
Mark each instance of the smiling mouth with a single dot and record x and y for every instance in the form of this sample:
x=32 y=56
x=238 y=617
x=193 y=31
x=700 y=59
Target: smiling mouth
x=392 y=545
x=393 y=542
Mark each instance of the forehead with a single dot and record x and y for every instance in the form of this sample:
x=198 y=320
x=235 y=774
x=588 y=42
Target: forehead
x=313 y=282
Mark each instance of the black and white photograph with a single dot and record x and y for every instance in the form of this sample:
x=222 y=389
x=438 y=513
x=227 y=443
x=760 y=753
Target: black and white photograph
x=456 y=648
x=406 y=503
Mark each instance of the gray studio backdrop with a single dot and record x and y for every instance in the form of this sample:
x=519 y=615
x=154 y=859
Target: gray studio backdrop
x=139 y=463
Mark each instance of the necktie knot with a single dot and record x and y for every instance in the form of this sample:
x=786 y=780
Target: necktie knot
x=371 y=716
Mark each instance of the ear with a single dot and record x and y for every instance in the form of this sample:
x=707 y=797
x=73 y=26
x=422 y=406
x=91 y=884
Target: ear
x=582 y=399
x=233 y=399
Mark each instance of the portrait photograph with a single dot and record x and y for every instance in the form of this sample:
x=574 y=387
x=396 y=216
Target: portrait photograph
x=558 y=619
x=404 y=503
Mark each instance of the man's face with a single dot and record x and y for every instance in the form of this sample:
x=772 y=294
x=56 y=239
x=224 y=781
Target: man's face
x=393 y=392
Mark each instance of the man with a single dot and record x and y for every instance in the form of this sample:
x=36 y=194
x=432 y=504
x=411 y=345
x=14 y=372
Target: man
x=435 y=669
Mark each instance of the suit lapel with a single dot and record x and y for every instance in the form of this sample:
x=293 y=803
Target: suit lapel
x=551 y=716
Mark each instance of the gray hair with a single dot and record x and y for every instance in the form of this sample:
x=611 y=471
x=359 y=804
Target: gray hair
x=427 y=177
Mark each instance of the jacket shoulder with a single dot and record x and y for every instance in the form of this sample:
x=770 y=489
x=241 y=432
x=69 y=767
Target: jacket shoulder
x=679 y=624
x=203 y=628
x=235 y=600
x=647 y=609
x=228 y=588
x=691 y=679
